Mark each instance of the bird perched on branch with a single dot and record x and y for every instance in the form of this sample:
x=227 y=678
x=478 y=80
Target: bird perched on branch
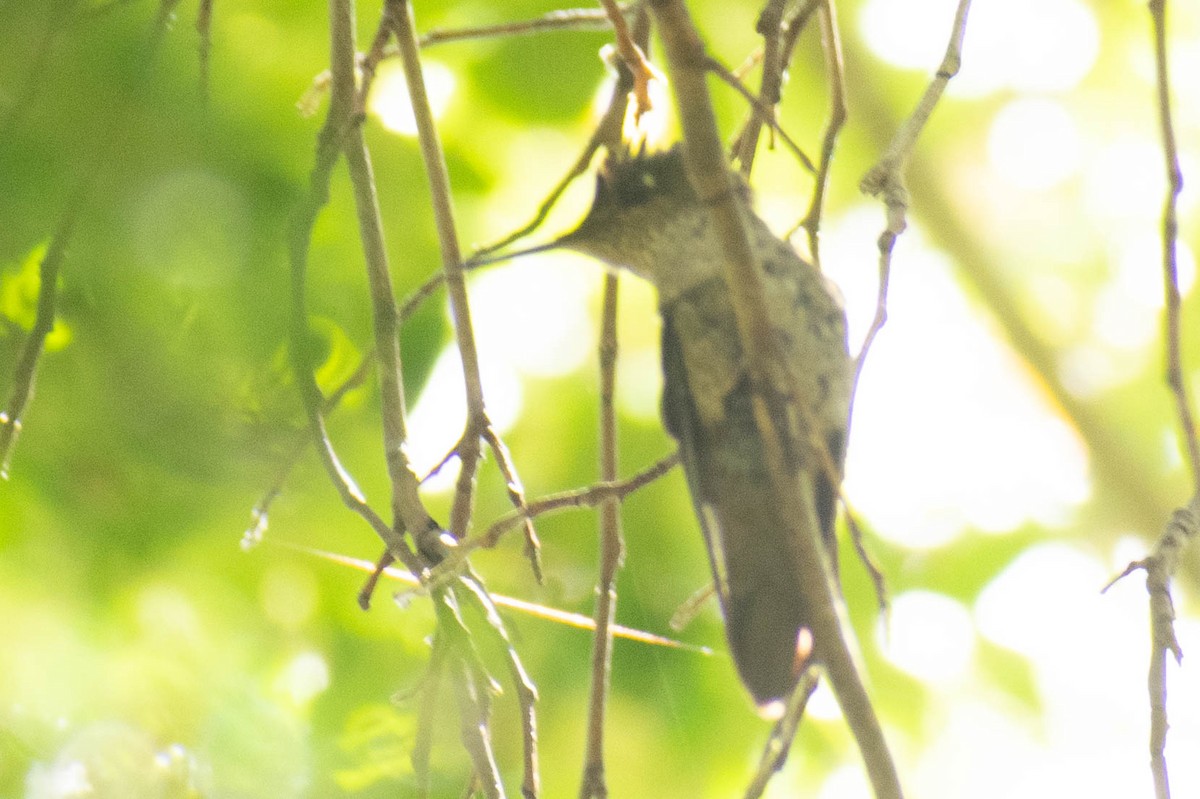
x=646 y=217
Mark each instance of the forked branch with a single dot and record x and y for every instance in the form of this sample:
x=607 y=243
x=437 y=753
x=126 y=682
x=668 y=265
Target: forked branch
x=706 y=165
x=1161 y=565
x=886 y=178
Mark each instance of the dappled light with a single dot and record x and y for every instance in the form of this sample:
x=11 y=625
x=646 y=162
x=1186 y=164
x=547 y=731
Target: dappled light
x=221 y=354
x=390 y=100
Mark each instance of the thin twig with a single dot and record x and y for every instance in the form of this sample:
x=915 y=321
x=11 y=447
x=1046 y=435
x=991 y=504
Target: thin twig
x=25 y=373
x=565 y=19
x=526 y=692
x=1160 y=567
x=594 y=784
x=329 y=146
x=633 y=58
x=260 y=513
x=1170 y=233
x=380 y=567
x=761 y=347
x=794 y=25
x=478 y=426
x=407 y=508
x=1159 y=571
x=422 y=293
x=607 y=132
x=472 y=687
x=775 y=752
x=588 y=497
x=886 y=178
x=368 y=63
x=864 y=557
x=569 y=19
x=763 y=109
x=516 y=495
x=768 y=27
x=578 y=168
x=831 y=43
x=469 y=451
x=690 y=608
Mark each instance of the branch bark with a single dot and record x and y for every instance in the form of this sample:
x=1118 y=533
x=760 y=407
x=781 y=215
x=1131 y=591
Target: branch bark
x=329 y=145
x=611 y=553
x=1170 y=235
x=886 y=178
x=705 y=160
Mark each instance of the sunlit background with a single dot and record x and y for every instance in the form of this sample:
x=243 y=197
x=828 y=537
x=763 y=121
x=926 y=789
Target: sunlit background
x=1013 y=444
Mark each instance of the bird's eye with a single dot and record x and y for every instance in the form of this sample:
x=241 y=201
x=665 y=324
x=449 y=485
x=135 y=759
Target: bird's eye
x=637 y=188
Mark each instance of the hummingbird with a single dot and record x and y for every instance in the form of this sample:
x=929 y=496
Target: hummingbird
x=647 y=218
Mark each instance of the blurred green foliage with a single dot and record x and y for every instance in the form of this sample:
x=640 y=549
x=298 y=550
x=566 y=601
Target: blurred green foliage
x=142 y=652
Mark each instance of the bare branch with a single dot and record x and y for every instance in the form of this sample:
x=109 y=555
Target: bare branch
x=886 y=178
x=864 y=557
x=329 y=145
x=762 y=109
x=588 y=497
x=1163 y=562
x=526 y=692
x=632 y=56
x=404 y=28
x=794 y=25
x=407 y=508
x=25 y=372
x=612 y=548
x=516 y=495
x=770 y=20
x=1160 y=567
x=774 y=754
x=706 y=166
x=606 y=134
x=581 y=498
x=472 y=687
x=423 y=292
x=565 y=19
x=831 y=43
x=368 y=63
x=1170 y=233
x=611 y=552
x=1183 y=528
